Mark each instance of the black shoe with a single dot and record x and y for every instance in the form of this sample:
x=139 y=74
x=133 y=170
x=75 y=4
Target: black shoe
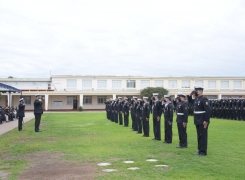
x=38 y=131
x=158 y=139
x=167 y=142
x=202 y=154
x=139 y=133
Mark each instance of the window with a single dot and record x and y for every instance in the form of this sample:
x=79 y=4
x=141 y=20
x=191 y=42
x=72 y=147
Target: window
x=185 y=84
x=69 y=100
x=57 y=103
x=199 y=83
x=87 y=100
x=27 y=99
x=211 y=84
x=117 y=84
x=237 y=84
x=172 y=84
x=224 y=84
x=71 y=83
x=158 y=83
x=144 y=84
x=87 y=84
x=102 y=84
x=131 y=84
x=101 y=99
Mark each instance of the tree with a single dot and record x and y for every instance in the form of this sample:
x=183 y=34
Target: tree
x=150 y=90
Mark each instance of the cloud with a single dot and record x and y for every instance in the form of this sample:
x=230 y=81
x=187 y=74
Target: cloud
x=150 y=38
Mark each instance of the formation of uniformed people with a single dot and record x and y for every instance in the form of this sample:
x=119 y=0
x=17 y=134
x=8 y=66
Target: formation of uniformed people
x=140 y=110
x=233 y=109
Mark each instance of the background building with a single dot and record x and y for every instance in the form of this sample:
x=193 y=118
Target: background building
x=66 y=92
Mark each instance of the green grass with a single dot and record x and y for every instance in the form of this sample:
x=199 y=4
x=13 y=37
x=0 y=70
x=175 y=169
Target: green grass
x=90 y=137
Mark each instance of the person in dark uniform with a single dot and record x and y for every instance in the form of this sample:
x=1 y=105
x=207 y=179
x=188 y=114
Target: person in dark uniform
x=38 y=111
x=146 y=116
x=112 y=110
x=182 y=120
x=168 y=119
x=106 y=108
x=126 y=111
x=157 y=112
x=132 y=111
x=139 y=116
x=21 y=113
x=120 y=106
x=201 y=119
x=116 y=111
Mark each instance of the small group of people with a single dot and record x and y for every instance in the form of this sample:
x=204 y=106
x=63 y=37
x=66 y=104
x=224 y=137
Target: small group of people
x=20 y=113
x=8 y=114
x=140 y=110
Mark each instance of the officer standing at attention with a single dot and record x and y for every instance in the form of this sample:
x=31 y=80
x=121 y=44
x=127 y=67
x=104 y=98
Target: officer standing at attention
x=120 y=106
x=146 y=116
x=201 y=119
x=139 y=116
x=21 y=113
x=126 y=111
x=168 y=119
x=38 y=111
x=156 y=109
x=182 y=120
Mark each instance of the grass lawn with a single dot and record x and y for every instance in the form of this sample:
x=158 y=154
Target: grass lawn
x=88 y=137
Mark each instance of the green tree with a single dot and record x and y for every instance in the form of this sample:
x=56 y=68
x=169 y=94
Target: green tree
x=0 y=96
x=150 y=90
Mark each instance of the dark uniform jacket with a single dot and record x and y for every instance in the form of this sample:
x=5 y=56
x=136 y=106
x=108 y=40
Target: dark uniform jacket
x=168 y=112
x=201 y=110
x=38 y=109
x=125 y=107
x=156 y=108
x=182 y=112
x=146 y=110
x=21 y=110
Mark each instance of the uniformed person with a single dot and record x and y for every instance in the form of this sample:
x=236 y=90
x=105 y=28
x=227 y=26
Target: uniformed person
x=156 y=110
x=21 y=113
x=139 y=116
x=120 y=106
x=168 y=119
x=133 y=112
x=112 y=110
x=182 y=120
x=126 y=111
x=145 y=117
x=38 y=111
x=116 y=111
x=201 y=119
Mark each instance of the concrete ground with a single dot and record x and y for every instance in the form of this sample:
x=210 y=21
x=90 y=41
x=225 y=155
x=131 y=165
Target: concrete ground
x=5 y=127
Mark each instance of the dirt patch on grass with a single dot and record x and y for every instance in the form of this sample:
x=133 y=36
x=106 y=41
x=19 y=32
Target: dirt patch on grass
x=3 y=175
x=51 y=166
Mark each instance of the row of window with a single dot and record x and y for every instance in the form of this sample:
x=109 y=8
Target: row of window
x=102 y=84
x=70 y=99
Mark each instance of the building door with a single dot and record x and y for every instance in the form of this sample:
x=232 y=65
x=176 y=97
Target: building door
x=74 y=102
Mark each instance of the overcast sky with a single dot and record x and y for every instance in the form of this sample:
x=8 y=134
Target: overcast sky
x=147 y=38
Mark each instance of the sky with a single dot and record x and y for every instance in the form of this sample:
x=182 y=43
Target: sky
x=130 y=37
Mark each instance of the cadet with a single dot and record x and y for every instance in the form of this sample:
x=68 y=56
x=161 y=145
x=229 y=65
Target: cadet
x=132 y=110
x=168 y=119
x=120 y=106
x=126 y=111
x=201 y=119
x=156 y=110
x=145 y=117
x=112 y=110
x=139 y=116
x=38 y=111
x=182 y=120
x=21 y=113
x=116 y=111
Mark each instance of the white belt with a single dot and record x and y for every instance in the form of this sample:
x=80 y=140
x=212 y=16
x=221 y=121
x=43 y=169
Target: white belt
x=199 y=112
x=180 y=114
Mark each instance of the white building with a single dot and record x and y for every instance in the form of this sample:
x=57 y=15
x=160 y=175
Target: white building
x=65 y=92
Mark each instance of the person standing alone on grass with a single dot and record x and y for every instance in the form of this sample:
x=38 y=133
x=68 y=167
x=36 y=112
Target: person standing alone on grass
x=21 y=113
x=38 y=111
